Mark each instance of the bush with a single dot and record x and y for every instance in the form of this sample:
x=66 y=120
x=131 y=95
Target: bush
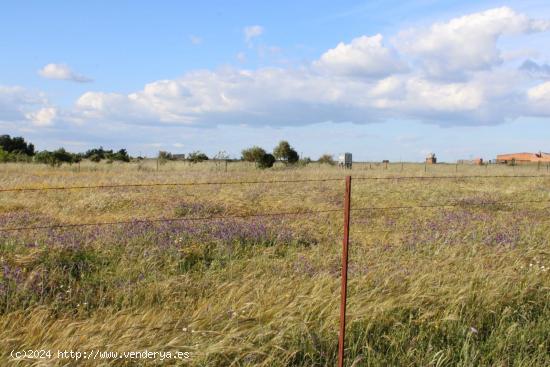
x=284 y=152
x=4 y=156
x=254 y=154
x=266 y=161
x=326 y=159
x=165 y=156
x=121 y=155
x=95 y=158
x=259 y=156
x=197 y=157
x=57 y=157
x=304 y=161
x=97 y=154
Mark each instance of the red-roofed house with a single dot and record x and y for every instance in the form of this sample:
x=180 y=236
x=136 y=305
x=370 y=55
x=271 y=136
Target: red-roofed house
x=523 y=157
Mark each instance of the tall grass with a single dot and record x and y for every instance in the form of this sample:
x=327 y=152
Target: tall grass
x=461 y=286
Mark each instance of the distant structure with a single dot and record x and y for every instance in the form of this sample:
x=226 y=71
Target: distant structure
x=345 y=161
x=523 y=157
x=431 y=159
x=476 y=161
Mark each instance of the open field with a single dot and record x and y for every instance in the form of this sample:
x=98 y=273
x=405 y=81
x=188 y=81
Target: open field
x=464 y=285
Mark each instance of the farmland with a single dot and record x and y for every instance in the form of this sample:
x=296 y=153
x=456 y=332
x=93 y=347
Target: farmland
x=459 y=285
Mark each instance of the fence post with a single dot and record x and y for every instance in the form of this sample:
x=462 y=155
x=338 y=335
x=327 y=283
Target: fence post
x=344 y=289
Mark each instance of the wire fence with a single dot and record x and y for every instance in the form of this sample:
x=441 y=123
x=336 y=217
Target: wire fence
x=267 y=214
x=346 y=210
x=267 y=182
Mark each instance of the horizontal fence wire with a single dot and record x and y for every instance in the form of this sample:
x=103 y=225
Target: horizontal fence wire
x=276 y=214
x=447 y=205
x=167 y=184
x=446 y=177
x=156 y=184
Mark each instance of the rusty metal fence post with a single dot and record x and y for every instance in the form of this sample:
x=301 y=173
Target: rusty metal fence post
x=344 y=289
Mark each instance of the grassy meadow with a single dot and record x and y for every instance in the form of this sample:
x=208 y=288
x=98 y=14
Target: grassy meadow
x=465 y=285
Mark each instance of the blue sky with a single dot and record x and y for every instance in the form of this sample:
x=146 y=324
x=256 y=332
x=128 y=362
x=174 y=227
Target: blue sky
x=382 y=79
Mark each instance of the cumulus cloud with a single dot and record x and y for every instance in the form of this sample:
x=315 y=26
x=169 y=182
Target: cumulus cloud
x=451 y=73
x=43 y=117
x=467 y=43
x=363 y=57
x=539 y=99
x=22 y=106
x=252 y=32
x=62 y=72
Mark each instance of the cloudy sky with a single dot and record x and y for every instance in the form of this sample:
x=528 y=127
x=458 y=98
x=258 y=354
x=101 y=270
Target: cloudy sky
x=382 y=79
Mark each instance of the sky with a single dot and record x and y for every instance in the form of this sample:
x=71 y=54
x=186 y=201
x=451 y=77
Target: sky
x=381 y=79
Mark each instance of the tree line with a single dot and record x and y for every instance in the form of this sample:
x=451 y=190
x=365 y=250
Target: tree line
x=16 y=149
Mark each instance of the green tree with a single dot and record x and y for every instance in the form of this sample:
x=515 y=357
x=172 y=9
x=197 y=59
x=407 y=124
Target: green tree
x=284 y=152
x=253 y=154
x=56 y=158
x=16 y=145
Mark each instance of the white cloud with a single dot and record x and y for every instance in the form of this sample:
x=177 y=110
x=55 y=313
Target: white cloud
x=19 y=105
x=62 y=72
x=364 y=56
x=466 y=43
x=252 y=32
x=43 y=117
x=539 y=99
x=361 y=82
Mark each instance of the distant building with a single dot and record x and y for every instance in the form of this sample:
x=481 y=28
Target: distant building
x=344 y=160
x=476 y=161
x=523 y=157
x=431 y=159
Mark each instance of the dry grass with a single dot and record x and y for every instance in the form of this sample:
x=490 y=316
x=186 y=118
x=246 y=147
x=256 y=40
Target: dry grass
x=462 y=286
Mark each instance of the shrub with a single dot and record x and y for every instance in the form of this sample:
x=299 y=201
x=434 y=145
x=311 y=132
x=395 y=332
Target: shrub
x=254 y=154
x=97 y=154
x=165 y=156
x=326 y=159
x=56 y=158
x=197 y=157
x=4 y=156
x=121 y=155
x=304 y=161
x=95 y=158
x=266 y=161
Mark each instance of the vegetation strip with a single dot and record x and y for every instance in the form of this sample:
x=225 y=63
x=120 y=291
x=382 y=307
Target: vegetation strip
x=15 y=189
x=137 y=221
x=266 y=215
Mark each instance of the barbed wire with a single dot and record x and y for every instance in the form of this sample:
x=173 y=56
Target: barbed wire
x=275 y=214
x=154 y=184
x=450 y=204
x=211 y=183
x=447 y=177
